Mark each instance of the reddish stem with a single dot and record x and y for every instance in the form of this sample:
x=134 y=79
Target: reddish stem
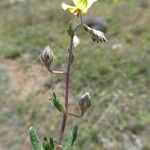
x=67 y=89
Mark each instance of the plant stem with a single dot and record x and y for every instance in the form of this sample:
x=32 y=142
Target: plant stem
x=67 y=89
x=81 y=19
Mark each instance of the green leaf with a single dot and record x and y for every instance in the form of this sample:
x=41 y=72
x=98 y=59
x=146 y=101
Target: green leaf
x=51 y=144
x=71 y=140
x=57 y=103
x=48 y=144
x=70 y=30
x=35 y=141
x=45 y=144
x=74 y=134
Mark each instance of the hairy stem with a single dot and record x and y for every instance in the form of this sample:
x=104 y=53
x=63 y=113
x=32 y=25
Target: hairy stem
x=67 y=89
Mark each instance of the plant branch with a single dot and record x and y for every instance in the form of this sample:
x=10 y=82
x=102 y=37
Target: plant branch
x=80 y=25
x=74 y=115
x=56 y=72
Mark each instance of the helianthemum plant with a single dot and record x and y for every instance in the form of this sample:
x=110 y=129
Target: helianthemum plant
x=81 y=7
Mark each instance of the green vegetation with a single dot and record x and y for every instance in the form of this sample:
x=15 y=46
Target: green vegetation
x=115 y=74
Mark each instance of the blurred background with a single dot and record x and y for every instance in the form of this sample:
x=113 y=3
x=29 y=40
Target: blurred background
x=116 y=74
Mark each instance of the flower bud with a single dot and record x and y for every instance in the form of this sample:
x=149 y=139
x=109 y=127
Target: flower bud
x=76 y=41
x=96 y=35
x=47 y=56
x=84 y=103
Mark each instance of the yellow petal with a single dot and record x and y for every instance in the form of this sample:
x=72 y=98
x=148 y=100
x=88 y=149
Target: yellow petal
x=90 y=3
x=69 y=8
x=81 y=4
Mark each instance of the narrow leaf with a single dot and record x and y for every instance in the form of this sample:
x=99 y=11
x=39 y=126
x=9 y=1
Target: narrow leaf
x=45 y=144
x=51 y=144
x=71 y=140
x=35 y=141
x=57 y=103
x=74 y=134
x=48 y=144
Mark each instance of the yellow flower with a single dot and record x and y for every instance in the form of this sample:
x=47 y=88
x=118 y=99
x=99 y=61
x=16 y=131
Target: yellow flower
x=81 y=6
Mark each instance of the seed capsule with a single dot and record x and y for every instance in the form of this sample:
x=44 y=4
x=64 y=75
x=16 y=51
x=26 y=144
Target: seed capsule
x=84 y=103
x=47 y=56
